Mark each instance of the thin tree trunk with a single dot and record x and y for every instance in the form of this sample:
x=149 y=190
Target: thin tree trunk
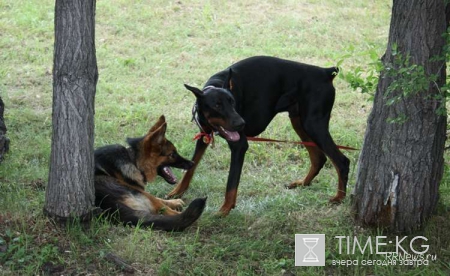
x=4 y=141
x=70 y=190
x=401 y=164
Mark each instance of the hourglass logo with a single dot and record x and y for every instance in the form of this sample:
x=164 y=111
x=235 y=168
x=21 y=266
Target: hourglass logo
x=310 y=249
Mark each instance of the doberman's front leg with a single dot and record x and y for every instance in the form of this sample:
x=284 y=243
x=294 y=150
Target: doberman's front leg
x=183 y=185
x=238 y=150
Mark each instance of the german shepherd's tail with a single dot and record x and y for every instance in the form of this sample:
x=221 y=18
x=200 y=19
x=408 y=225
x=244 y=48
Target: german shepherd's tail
x=131 y=207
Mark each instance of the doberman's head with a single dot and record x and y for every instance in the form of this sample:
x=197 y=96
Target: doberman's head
x=155 y=154
x=216 y=108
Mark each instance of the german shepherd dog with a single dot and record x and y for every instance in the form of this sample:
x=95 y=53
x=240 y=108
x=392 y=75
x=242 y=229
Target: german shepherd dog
x=121 y=174
x=242 y=100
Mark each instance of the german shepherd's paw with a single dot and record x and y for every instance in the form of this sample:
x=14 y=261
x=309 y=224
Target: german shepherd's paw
x=176 y=204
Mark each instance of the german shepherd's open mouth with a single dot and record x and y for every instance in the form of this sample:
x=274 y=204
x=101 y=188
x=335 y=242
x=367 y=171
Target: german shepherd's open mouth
x=166 y=173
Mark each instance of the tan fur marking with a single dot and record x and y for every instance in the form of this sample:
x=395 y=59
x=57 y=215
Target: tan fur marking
x=157 y=204
x=230 y=202
x=218 y=122
x=139 y=203
x=341 y=193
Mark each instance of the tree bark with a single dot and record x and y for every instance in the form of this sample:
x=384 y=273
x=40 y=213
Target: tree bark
x=401 y=164
x=4 y=141
x=70 y=190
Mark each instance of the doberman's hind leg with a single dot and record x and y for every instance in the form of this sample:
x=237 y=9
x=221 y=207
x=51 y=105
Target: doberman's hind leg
x=318 y=132
x=316 y=156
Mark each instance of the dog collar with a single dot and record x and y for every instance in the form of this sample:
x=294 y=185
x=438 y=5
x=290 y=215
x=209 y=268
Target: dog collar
x=195 y=117
x=208 y=87
x=208 y=138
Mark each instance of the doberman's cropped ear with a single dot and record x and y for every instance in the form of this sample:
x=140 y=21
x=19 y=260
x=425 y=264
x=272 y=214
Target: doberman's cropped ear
x=228 y=84
x=197 y=92
x=160 y=121
x=332 y=72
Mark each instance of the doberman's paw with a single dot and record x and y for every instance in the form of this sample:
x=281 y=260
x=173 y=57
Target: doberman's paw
x=221 y=214
x=224 y=211
x=296 y=184
x=217 y=215
x=336 y=199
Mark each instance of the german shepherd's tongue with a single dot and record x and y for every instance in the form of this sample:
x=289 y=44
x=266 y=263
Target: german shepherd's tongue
x=168 y=175
x=232 y=136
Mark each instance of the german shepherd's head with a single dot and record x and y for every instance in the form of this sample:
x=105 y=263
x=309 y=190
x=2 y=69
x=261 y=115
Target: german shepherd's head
x=155 y=154
x=217 y=109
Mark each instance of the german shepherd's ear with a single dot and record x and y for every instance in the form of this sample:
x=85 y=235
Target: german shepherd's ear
x=160 y=121
x=197 y=92
x=228 y=84
x=158 y=136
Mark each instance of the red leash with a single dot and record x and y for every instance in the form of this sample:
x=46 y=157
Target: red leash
x=309 y=144
x=209 y=139
x=258 y=139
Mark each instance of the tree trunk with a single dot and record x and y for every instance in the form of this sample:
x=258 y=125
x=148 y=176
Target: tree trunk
x=70 y=190
x=4 y=141
x=401 y=164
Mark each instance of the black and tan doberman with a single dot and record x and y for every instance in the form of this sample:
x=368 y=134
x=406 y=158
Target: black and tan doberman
x=242 y=100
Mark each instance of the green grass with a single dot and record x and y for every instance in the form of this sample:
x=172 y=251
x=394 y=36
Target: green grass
x=146 y=50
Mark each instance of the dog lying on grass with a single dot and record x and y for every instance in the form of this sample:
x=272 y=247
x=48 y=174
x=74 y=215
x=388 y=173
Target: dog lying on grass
x=121 y=174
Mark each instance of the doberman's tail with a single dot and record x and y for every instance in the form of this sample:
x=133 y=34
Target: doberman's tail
x=332 y=72
x=177 y=222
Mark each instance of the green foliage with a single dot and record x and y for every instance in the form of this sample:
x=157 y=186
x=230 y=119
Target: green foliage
x=408 y=78
x=363 y=79
x=21 y=253
x=444 y=94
